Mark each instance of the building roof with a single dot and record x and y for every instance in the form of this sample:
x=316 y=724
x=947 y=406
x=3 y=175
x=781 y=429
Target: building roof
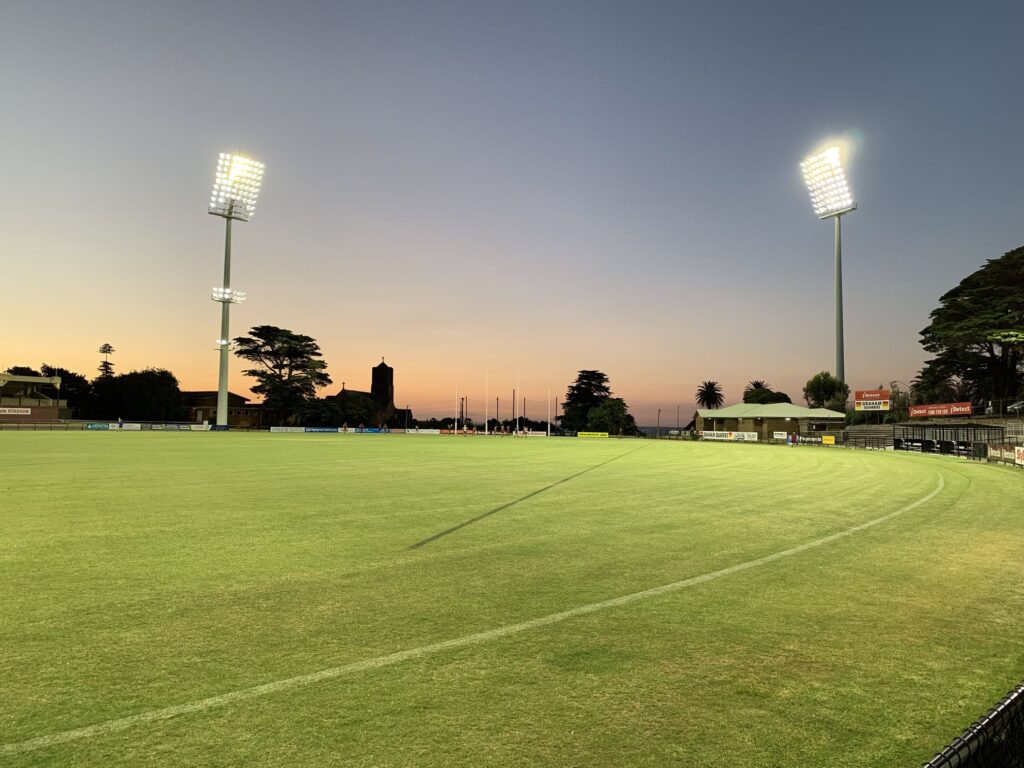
x=13 y=379
x=770 y=411
x=199 y=394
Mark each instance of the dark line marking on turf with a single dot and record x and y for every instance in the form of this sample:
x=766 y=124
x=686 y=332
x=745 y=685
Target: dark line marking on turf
x=530 y=495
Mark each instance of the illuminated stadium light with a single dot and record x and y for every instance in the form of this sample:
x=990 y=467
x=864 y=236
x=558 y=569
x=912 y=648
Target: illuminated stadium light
x=826 y=182
x=228 y=295
x=831 y=198
x=236 y=186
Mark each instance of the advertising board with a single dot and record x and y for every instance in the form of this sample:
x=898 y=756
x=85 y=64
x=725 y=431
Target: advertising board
x=871 y=400
x=828 y=439
x=739 y=437
x=15 y=411
x=940 y=409
x=871 y=405
x=1018 y=455
x=321 y=429
x=591 y=434
x=287 y=429
x=872 y=394
x=779 y=435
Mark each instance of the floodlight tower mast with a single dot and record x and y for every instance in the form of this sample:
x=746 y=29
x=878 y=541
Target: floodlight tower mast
x=831 y=198
x=236 y=187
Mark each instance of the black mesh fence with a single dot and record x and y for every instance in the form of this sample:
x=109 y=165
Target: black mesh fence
x=994 y=740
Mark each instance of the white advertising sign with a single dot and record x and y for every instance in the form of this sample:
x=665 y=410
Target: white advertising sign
x=778 y=435
x=287 y=429
x=15 y=411
x=742 y=437
x=1018 y=455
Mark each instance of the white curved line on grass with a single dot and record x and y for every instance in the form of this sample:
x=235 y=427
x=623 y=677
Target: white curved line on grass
x=120 y=724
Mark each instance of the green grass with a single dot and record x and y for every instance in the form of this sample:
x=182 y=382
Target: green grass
x=140 y=571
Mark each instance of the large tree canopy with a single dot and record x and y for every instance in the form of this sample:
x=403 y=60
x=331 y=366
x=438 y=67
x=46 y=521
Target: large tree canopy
x=823 y=390
x=148 y=395
x=760 y=393
x=589 y=405
x=74 y=387
x=977 y=335
x=289 y=369
x=588 y=391
x=611 y=416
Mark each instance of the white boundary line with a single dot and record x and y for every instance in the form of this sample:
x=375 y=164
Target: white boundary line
x=122 y=723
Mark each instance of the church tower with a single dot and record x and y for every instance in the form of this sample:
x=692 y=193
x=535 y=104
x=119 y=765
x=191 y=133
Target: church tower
x=382 y=386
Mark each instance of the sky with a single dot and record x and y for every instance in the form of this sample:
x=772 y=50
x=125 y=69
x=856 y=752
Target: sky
x=489 y=194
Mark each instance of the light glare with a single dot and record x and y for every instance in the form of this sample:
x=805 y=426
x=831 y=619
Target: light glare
x=236 y=187
x=826 y=182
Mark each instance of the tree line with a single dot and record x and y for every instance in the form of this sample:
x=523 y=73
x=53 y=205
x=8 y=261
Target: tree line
x=976 y=335
x=151 y=394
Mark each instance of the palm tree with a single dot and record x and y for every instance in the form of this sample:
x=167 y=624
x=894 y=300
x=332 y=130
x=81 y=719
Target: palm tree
x=755 y=385
x=709 y=395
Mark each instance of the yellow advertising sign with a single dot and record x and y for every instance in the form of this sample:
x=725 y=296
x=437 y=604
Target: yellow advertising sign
x=871 y=405
x=828 y=439
x=591 y=434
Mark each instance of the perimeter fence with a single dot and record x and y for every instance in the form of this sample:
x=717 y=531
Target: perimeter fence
x=994 y=740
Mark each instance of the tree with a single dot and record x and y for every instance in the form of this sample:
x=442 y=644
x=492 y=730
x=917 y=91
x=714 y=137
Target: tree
x=289 y=369
x=611 y=415
x=148 y=395
x=709 y=395
x=74 y=387
x=823 y=390
x=753 y=386
x=589 y=390
x=355 y=409
x=759 y=392
x=977 y=335
x=106 y=368
x=22 y=370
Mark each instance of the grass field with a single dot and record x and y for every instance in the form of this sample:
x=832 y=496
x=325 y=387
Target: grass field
x=144 y=574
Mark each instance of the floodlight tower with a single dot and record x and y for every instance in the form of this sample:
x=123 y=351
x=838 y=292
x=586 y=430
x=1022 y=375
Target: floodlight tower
x=235 y=189
x=831 y=198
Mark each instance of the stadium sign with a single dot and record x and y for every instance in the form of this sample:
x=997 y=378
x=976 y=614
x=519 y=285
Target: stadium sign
x=871 y=400
x=940 y=409
x=15 y=411
x=740 y=437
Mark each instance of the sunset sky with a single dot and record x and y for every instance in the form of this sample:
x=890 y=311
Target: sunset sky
x=472 y=189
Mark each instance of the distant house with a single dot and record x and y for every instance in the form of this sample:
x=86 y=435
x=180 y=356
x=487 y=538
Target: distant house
x=767 y=419
x=201 y=406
